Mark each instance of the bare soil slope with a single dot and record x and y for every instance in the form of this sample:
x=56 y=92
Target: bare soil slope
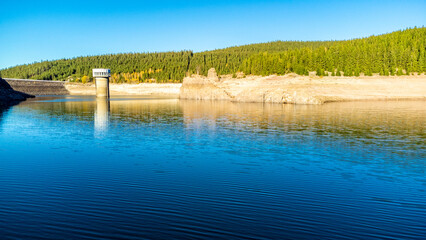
x=302 y=89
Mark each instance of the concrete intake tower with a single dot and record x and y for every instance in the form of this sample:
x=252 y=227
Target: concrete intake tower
x=102 y=76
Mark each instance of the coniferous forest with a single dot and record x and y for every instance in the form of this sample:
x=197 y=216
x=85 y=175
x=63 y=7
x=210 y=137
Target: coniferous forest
x=397 y=53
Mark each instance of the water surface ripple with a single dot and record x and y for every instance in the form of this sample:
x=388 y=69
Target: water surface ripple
x=150 y=168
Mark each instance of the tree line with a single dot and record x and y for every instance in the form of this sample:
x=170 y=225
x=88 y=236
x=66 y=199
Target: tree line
x=396 y=53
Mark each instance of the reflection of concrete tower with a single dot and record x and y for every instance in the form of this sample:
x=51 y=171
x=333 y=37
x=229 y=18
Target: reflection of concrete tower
x=101 y=115
x=101 y=76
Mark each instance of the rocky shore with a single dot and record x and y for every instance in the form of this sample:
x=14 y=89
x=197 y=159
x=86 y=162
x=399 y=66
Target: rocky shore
x=297 y=89
x=8 y=96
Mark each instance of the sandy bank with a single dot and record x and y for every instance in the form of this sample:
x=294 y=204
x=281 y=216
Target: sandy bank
x=302 y=89
x=162 y=89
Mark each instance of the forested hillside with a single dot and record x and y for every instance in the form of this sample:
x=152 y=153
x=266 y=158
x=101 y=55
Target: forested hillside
x=397 y=53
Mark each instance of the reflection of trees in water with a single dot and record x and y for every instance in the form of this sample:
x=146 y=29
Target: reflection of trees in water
x=365 y=121
x=147 y=111
x=126 y=111
x=394 y=128
x=379 y=123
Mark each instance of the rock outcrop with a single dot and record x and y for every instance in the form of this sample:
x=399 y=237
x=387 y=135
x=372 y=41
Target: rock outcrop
x=212 y=75
x=8 y=96
x=203 y=88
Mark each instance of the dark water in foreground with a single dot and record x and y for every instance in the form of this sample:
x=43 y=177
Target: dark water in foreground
x=170 y=169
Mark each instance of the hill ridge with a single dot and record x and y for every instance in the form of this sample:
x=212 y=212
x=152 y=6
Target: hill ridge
x=397 y=53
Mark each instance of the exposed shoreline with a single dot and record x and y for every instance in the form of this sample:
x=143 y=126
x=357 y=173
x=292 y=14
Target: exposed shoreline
x=159 y=89
x=295 y=89
x=291 y=89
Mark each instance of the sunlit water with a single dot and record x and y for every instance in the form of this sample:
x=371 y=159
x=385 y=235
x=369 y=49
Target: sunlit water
x=77 y=168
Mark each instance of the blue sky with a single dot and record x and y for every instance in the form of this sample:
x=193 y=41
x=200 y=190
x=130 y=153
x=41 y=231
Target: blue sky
x=46 y=30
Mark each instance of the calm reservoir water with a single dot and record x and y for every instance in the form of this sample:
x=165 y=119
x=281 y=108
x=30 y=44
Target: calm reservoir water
x=146 y=168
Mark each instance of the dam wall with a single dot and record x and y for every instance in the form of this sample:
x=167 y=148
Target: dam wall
x=8 y=96
x=38 y=87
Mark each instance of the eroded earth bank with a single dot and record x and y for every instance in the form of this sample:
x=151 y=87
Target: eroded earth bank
x=297 y=89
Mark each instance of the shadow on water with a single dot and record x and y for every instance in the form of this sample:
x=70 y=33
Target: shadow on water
x=9 y=98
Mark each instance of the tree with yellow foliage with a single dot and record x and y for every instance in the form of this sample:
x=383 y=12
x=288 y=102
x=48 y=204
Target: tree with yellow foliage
x=84 y=79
